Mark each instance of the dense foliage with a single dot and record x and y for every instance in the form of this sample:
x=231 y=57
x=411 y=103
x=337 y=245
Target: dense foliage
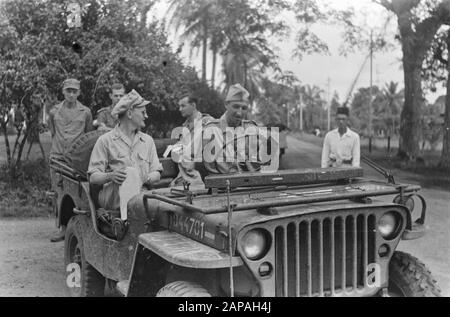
x=113 y=43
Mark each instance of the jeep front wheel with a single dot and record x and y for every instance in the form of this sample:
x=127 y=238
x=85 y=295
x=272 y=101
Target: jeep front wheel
x=83 y=280
x=183 y=289
x=408 y=277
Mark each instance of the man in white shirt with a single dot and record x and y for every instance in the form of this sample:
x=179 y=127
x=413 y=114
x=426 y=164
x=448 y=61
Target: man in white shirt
x=341 y=147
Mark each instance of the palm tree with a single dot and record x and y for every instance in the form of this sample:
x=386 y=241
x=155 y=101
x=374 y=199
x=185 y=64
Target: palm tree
x=196 y=17
x=312 y=98
x=236 y=30
x=394 y=102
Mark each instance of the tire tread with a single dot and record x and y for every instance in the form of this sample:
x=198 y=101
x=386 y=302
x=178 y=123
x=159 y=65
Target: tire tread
x=183 y=289
x=413 y=276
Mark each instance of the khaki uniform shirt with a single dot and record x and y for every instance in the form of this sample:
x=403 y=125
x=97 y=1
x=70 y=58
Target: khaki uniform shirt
x=66 y=125
x=114 y=151
x=187 y=171
x=341 y=151
x=227 y=165
x=104 y=116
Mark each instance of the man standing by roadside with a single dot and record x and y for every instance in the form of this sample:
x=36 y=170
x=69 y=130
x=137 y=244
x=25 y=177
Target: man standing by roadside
x=67 y=121
x=341 y=147
x=194 y=118
x=105 y=119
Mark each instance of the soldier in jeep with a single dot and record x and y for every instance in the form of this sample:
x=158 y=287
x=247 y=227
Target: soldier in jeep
x=224 y=161
x=194 y=120
x=124 y=147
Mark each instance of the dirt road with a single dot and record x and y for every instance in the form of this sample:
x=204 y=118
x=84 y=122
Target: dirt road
x=29 y=264
x=434 y=248
x=32 y=266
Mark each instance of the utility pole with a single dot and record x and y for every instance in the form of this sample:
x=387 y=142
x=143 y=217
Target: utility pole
x=287 y=115
x=301 y=112
x=371 y=84
x=329 y=105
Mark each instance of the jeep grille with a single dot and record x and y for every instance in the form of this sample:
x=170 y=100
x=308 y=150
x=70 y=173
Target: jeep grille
x=323 y=255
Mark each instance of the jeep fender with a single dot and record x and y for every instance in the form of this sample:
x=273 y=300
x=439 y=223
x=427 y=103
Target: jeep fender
x=172 y=248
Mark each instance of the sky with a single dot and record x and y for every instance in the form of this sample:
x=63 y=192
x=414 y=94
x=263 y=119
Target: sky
x=334 y=69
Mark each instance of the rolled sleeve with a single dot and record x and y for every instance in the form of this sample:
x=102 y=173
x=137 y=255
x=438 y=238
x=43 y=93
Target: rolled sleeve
x=155 y=164
x=99 y=158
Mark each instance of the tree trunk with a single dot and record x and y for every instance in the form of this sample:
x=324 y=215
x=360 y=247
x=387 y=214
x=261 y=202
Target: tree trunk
x=410 y=117
x=415 y=44
x=213 y=73
x=16 y=143
x=445 y=158
x=8 y=149
x=205 y=50
x=42 y=149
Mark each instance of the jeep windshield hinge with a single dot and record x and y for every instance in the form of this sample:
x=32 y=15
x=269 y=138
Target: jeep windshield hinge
x=387 y=174
x=185 y=192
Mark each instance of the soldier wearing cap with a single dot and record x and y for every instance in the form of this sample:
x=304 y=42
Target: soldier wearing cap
x=194 y=119
x=341 y=147
x=124 y=147
x=237 y=107
x=105 y=120
x=67 y=121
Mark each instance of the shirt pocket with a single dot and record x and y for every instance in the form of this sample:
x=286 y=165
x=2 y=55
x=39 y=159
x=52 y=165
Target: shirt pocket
x=347 y=149
x=144 y=163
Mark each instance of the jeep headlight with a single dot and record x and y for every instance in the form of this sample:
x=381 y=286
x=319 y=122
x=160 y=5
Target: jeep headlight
x=389 y=224
x=256 y=243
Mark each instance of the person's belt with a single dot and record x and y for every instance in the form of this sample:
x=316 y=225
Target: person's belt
x=343 y=161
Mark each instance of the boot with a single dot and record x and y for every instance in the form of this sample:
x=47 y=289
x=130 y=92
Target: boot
x=60 y=235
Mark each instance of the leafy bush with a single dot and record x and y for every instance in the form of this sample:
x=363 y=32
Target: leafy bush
x=25 y=195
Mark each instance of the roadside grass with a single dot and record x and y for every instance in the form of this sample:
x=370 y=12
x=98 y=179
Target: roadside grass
x=25 y=197
x=426 y=172
x=35 y=152
x=26 y=211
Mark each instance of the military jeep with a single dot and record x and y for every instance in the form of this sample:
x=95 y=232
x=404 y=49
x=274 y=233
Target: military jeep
x=294 y=233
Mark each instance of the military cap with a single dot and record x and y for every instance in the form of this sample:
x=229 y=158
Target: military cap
x=129 y=101
x=343 y=110
x=237 y=94
x=71 y=83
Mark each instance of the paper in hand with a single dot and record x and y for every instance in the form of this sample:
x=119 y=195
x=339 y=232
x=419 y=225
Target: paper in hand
x=129 y=188
x=167 y=151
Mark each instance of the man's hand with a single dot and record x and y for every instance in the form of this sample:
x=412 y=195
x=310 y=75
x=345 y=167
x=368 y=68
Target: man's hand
x=118 y=176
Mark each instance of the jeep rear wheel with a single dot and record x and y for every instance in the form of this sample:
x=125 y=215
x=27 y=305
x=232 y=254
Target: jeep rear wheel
x=183 y=289
x=408 y=277
x=83 y=279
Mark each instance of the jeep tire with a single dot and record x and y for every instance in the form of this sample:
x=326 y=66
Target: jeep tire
x=89 y=283
x=408 y=277
x=183 y=289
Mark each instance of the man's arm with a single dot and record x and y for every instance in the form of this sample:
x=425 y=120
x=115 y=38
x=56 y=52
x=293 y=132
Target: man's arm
x=356 y=153
x=325 y=152
x=156 y=168
x=98 y=164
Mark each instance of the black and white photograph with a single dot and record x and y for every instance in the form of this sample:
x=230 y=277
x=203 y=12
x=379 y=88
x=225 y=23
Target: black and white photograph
x=236 y=149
